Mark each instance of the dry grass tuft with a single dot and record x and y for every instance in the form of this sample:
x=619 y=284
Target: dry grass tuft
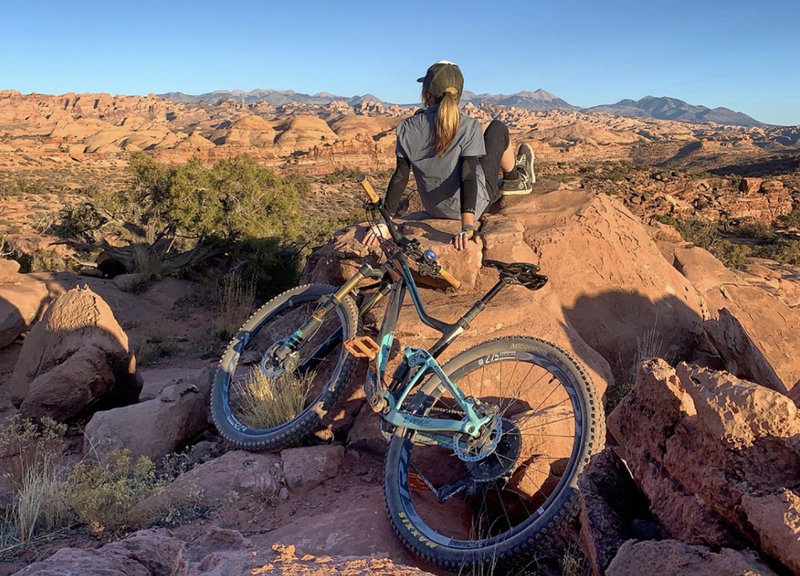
x=32 y=457
x=235 y=302
x=267 y=402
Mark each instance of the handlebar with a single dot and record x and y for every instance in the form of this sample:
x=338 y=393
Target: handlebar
x=426 y=260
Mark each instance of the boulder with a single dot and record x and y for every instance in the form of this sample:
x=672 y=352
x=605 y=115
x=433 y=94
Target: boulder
x=21 y=300
x=674 y=558
x=234 y=476
x=776 y=519
x=755 y=332
x=75 y=360
x=710 y=450
x=305 y=468
x=9 y=271
x=617 y=290
x=153 y=428
x=144 y=553
x=641 y=424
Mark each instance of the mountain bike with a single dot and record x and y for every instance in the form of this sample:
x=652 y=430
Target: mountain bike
x=484 y=450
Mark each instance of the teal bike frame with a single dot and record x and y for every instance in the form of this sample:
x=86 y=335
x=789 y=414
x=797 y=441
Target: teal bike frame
x=403 y=398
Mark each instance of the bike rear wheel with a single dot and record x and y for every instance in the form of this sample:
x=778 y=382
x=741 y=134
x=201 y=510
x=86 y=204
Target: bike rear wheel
x=492 y=504
x=260 y=409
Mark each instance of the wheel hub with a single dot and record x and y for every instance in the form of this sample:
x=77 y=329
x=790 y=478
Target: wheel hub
x=502 y=459
x=277 y=359
x=471 y=449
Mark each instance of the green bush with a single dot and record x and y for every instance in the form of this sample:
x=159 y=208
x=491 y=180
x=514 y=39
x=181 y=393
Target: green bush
x=758 y=230
x=786 y=251
x=791 y=220
x=730 y=254
x=232 y=199
x=235 y=206
x=103 y=497
x=699 y=232
x=79 y=221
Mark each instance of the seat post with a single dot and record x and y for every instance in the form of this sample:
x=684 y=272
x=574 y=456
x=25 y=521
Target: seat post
x=478 y=307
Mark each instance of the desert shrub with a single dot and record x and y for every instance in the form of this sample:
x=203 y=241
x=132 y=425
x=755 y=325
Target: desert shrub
x=47 y=261
x=730 y=254
x=32 y=460
x=169 y=212
x=758 y=230
x=699 y=232
x=271 y=267
x=791 y=220
x=708 y=235
x=784 y=250
x=340 y=175
x=232 y=199
x=103 y=497
x=666 y=219
x=37 y=260
x=78 y=221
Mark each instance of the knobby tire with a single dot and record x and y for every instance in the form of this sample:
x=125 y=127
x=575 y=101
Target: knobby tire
x=238 y=408
x=552 y=422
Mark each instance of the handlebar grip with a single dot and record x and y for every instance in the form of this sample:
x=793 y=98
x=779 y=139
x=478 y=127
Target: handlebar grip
x=449 y=278
x=368 y=188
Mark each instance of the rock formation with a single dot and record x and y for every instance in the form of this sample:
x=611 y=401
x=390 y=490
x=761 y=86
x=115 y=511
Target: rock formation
x=702 y=471
x=74 y=360
x=717 y=458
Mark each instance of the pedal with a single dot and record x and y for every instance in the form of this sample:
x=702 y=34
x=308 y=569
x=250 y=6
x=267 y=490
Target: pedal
x=362 y=347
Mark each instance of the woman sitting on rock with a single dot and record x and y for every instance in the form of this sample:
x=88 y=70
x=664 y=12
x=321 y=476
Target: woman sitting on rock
x=455 y=167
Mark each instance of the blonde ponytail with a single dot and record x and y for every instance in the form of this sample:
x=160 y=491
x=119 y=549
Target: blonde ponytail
x=447 y=121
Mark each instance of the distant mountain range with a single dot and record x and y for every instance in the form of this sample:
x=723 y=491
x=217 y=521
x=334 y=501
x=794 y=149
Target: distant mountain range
x=662 y=108
x=274 y=97
x=674 y=109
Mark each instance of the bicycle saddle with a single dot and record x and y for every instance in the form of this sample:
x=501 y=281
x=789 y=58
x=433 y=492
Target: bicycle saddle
x=522 y=273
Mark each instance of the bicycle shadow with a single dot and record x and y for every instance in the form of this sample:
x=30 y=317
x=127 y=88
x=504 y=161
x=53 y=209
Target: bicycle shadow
x=626 y=328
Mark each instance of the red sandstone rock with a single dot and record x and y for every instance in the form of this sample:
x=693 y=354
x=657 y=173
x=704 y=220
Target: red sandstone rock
x=754 y=331
x=21 y=300
x=708 y=449
x=76 y=358
x=674 y=558
x=154 y=428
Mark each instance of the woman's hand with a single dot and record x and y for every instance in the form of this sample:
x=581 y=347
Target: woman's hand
x=460 y=240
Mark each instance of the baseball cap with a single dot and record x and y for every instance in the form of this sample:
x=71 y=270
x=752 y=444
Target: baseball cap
x=440 y=76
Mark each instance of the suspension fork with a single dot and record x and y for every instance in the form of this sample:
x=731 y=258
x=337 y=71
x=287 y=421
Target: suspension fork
x=280 y=351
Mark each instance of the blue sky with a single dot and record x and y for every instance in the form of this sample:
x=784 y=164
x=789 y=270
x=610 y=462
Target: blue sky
x=738 y=54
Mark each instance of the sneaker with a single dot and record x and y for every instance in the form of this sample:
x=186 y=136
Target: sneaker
x=524 y=184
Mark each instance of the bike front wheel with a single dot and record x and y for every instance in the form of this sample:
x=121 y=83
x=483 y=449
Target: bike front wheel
x=258 y=407
x=490 y=501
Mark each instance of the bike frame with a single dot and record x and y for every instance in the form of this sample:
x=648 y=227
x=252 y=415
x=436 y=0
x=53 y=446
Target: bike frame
x=392 y=400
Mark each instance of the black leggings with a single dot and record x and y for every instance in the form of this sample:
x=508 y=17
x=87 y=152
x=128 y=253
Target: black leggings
x=496 y=140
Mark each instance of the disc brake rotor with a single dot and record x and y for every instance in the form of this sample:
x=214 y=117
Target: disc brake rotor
x=471 y=449
x=502 y=461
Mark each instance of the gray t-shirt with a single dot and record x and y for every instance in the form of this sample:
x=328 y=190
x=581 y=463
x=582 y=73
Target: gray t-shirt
x=439 y=177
